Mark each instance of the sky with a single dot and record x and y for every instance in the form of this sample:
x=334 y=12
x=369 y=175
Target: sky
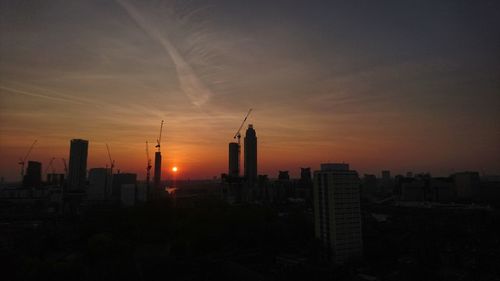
x=398 y=85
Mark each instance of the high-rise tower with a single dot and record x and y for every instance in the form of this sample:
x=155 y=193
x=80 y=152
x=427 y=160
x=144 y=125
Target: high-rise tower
x=337 y=216
x=157 y=174
x=250 y=154
x=234 y=160
x=157 y=171
x=234 y=151
x=77 y=164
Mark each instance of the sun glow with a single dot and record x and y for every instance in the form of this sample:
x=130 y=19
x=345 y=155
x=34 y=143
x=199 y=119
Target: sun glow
x=174 y=169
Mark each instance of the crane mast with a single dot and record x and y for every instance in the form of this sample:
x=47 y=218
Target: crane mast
x=157 y=170
x=148 y=167
x=235 y=150
x=158 y=140
x=111 y=162
x=22 y=161
x=238 y=135
x=65 y=167
x=50 y=165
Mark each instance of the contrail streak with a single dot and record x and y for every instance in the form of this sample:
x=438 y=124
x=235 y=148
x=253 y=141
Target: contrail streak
x=190 y=84
x=34 y=90
x=31 y=94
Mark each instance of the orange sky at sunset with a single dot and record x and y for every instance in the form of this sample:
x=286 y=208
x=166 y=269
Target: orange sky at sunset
x=323 y=87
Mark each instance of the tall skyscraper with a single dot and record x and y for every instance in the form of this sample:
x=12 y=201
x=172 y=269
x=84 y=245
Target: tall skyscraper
x=337 y=217
x=157 y=174
x=251 y=155
x=234 y=160
x=77 y=164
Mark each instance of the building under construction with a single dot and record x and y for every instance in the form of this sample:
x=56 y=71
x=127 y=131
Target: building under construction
x=157 y=170
x=239 y=187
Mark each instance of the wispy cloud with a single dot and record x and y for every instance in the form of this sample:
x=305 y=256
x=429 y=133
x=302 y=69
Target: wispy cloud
x=190 y=83
x=42 y=96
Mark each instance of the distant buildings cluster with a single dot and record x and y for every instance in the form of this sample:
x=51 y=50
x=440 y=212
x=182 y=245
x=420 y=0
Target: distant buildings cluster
x=461 y=187
x=68 y=192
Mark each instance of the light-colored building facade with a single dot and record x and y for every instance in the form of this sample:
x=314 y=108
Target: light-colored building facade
x=337 y=215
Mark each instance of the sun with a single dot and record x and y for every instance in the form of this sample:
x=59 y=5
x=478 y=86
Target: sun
x=174 y=169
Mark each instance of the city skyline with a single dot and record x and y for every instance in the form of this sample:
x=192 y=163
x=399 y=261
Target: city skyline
x=396 y=86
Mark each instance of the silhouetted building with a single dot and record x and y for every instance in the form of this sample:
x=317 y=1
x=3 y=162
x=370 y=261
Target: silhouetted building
x=304 y=186
x=305 y=175
x=263 y=179
x=369 y=186
x=386 y=175
x=443 y=189
x=55 y=179
x=33 y=176
x=490 y=189
x=466 y=185
x=234 y=160
x=413 y=190
x=157 y=171
x=251 y=154
x=337 y=216
x=417 y=188
x=100 y=182
x=141 y=194
x=119 y=180
x=283 y=176
x=128 y=195
x=77 y=164
x=386 y=183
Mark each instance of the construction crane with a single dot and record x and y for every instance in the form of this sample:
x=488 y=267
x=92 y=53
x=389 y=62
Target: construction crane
x=65 y=167
x=149 y=166
x=50 y=166
x=158 y=141
x=111 y=162
x=238 y=135
x=22 y=161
